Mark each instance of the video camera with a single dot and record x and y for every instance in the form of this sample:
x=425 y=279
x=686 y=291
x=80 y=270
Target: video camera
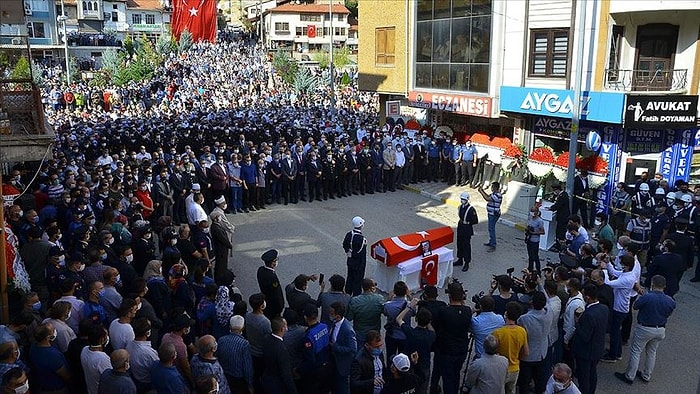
x=455 y=287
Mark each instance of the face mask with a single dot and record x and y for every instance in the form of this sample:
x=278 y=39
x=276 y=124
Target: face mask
x=21 y=213
x=81 y=267
x=376 y=352
x=36 y=219
x=147 y=236
x=103 y=256
x=173 y=241
x=598 y=222
x=92 y=222
x=129 y=258
x=558 y=386
x=118 y=279
x=62 y=260
x=111 y=241
x=23 y=388
x=101 y=293
x=187 y=331
x=205 y=230
x=36 y=306
x=53 y=337
x=658 y=209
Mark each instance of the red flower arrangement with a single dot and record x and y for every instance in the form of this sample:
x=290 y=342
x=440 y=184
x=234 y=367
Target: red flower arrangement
x=480 y=138
x=501 y=142
x=563 y=160
x=542 y=155
x=594 y=164
x=512 y=151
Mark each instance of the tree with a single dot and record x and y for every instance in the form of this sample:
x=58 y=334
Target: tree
x=165 y=45
x=341 y=57
x=129 y=45
x=285 y=66
x=352 y=6
x=186 y=41
x=305 y=83
x=75 y=74
x=111 y=61
x=22 y=69
x=322 y=59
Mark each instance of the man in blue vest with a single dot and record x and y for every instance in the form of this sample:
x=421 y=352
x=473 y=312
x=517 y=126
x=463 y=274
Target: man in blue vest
x=315 y=367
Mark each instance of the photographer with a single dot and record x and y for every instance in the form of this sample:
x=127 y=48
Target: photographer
x=504 y=284
x=452 y=346
x=429 y=301
x=484 y=322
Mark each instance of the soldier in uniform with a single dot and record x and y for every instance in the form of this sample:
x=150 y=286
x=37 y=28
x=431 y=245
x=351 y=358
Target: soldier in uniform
x=315 y=367
x=355 y=246
x=270 y=284
x=314 y=171
x=467 y=219
x=366 y=166
x=330 y=176
x=353 y=174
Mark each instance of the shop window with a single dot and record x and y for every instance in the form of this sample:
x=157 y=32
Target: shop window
x=549 y=50
x=385 y=43
x=453 y=44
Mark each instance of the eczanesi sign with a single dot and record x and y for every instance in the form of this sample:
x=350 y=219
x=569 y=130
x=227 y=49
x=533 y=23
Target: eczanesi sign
x=467 y=105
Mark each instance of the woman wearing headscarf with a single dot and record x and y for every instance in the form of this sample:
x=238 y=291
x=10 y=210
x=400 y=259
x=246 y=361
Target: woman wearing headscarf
x=180 y=290
x=224 y=312
x=158 y=291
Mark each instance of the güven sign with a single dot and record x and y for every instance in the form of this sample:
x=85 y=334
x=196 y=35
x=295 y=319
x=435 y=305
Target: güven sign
x=468 y=105
x=674 y=111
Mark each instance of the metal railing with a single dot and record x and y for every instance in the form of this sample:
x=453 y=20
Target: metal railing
x=646 y=80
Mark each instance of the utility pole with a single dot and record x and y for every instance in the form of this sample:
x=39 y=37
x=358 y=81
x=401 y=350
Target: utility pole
x=4 y=302
x=576 y=110
x=63 y=18
x=332 y=76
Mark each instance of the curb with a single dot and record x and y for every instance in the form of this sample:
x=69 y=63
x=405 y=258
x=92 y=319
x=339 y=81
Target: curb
x=516 y=225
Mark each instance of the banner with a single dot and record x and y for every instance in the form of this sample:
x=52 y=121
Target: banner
x=196 y=16
x=609 y=151
x=311 y=31
x=678 y=154
x=671 y=111
x=429 y=270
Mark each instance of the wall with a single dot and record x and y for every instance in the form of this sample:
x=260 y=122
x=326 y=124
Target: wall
x=374 y=14
x=617 y=6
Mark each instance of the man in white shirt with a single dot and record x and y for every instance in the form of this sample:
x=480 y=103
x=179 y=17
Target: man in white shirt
x=623 y=288
x=574 y=306
x=94 y=359
x=120 y=330
x=400 y=163
x=142 y=355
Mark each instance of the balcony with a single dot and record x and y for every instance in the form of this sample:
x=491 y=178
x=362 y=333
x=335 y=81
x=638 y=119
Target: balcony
x=25 y=133
x=646 y=80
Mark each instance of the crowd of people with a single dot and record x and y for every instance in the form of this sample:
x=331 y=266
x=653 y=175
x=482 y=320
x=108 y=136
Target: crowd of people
x=126 y=242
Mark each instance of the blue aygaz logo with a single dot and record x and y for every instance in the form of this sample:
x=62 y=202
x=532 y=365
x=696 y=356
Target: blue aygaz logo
x=595 y=106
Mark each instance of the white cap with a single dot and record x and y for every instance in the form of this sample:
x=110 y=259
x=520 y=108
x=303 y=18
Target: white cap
x=196 y=187
x=358 y=222
x=464 y=196
x=220 y=200
x=644 y=187
x=686 y=198
x=401 y=362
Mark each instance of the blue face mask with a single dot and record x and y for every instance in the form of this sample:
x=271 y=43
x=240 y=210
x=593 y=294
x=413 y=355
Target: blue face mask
x=36 y=219
x=36 y=306
x=104 y=256
x=101 y=293
x=376 y=352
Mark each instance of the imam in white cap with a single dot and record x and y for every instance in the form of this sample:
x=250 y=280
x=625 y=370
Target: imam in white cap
x=401 y=362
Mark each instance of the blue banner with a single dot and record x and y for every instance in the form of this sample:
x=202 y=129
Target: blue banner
x=595 y=106
x=609 y=151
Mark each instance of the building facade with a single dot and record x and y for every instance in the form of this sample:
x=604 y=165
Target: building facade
x=306 y=27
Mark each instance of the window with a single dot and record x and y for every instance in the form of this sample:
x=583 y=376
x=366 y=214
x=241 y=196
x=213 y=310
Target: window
x=37 y=5
x=453 y=45
x=114 y=7
x=341 y=17
x=384 y=38
x=150 y=19
x=310 y=18
x=281 y=27
x=36 y=30
x=615 y=52
x=549 y=50
x=326 y=31
x=115 y=16
x=85 y=7
x=136 y=19
x=302 y=31
x=339 y=31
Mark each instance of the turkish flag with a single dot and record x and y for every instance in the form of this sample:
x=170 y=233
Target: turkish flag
x=395 y=250
x=311 y=31
x=196 y=16
x=429 y=270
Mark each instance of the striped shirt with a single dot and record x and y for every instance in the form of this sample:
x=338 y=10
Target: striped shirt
x=493 y=207
x=234 y=356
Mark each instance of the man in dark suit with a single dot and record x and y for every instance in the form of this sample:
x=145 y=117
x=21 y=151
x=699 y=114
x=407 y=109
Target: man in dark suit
x=364 y=378
x=297 y=297
x=314 y=170
x=180 y=184
x=343 y=347
x=365 y=165
x=420 y=160
x=300 y=158
x=561 y=209
x=277 y=378
x=465 y=231
x=218 y=178
x=289 y=175
x=581 y=189
x=669 y=265
x=270 y=284
x=589 y=339
x=353 y=174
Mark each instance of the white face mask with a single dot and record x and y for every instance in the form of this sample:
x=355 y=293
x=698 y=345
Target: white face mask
x=129 y=258
x=598 y=222
x=81 y=267
x=205 y=230
x=111 y=241
x=558 y=386
x=173 y=241
x=23 y=388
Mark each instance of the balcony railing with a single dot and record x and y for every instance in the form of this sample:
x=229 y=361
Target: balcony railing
x=646 y=80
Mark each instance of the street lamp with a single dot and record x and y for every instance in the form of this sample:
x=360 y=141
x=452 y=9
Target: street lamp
x=62 y=19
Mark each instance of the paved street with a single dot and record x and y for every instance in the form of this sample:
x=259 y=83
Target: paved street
x=309 y=236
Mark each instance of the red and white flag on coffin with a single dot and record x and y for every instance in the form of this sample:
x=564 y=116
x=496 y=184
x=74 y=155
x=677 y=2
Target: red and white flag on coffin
x=395 y=250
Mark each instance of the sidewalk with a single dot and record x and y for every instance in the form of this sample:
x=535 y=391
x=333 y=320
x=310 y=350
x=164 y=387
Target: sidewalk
x=449 y=195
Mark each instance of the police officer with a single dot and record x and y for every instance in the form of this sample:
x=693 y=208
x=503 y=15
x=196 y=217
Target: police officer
x=446 y=160
x=270 y=284
x=469 y=158
x=433 y=161
x=355 y=246
x=639 y=231
x=366 y=166
x=457 y=162
x=315 y=367
x=467 y=219
x=641 y=199
x=330 y=176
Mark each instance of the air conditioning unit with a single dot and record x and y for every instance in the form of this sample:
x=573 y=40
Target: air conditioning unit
x=16 y=41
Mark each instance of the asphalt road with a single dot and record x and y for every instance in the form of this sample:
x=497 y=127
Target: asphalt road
x=309 y=236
